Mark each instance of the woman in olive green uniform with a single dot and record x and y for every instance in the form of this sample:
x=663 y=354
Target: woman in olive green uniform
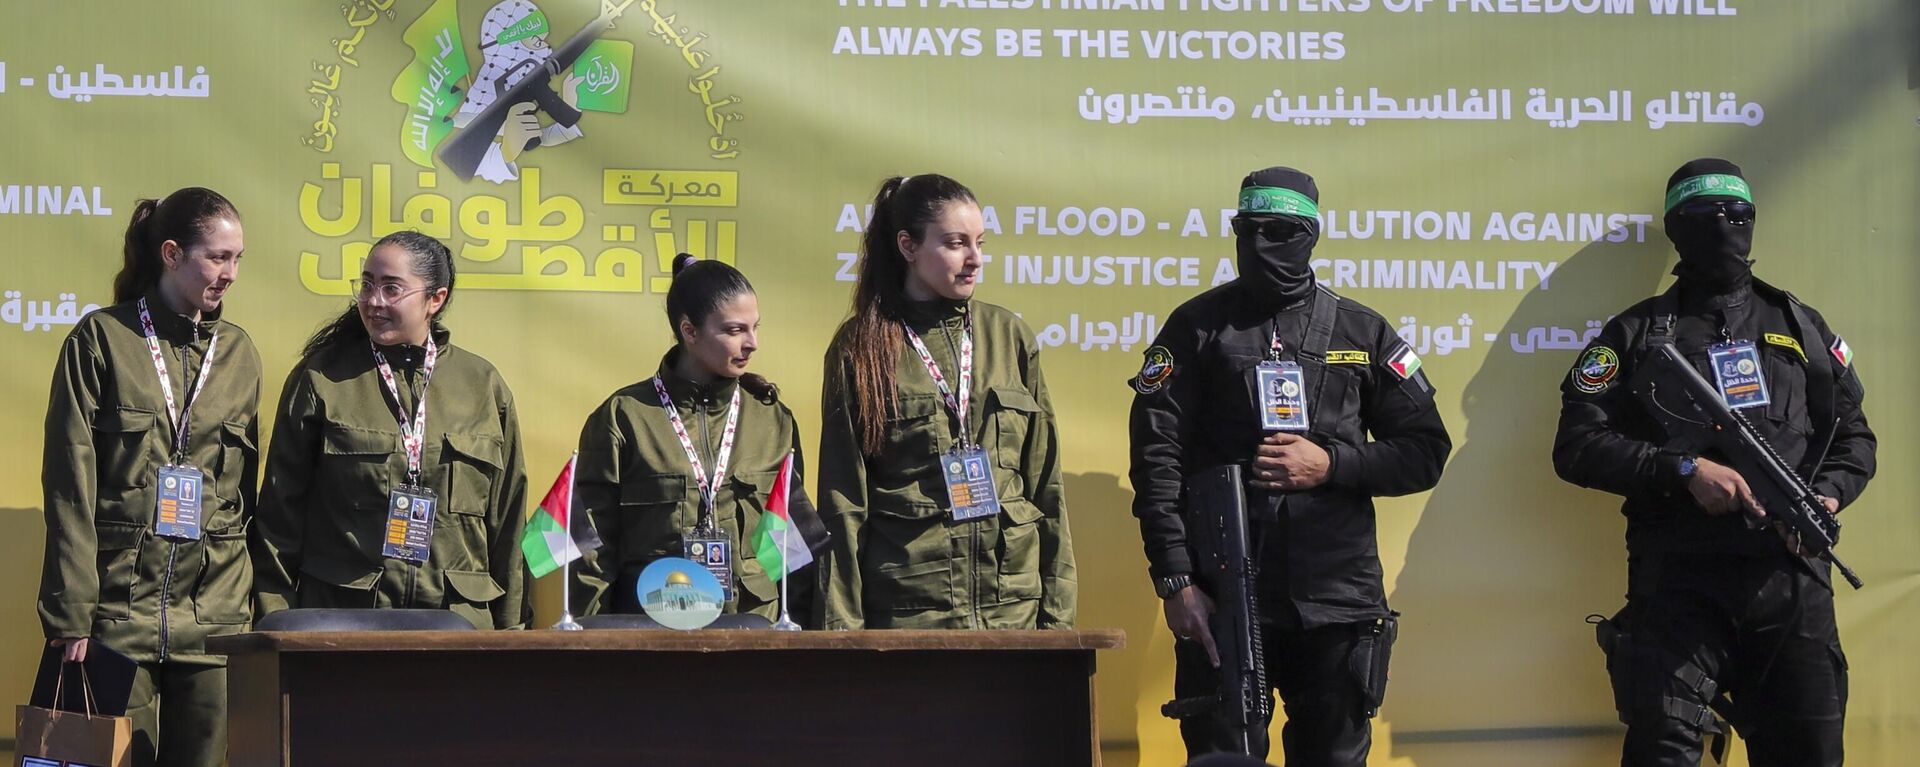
x=643 y=480
x=939 y=463
x=149 y=475
x=394 y=478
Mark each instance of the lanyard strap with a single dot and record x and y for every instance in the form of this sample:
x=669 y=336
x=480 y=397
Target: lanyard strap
x=955 y=402
x=709 y=487
x=178 y=415
x=413 y=434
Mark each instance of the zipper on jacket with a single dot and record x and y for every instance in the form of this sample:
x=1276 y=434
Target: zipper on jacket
x=173 y=547
x=166 y=595
x=973 y=533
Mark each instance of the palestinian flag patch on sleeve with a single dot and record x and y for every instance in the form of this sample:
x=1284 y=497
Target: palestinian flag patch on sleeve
x=1404 y=363
x=1842 y=353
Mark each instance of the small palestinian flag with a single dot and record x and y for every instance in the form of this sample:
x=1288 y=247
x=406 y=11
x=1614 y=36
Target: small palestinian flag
x=1405 y=363
x=1842 y=352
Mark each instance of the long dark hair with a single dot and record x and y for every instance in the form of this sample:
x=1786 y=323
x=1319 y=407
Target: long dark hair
x=432 y=261
x=699 y=289
x=182 y=217
x=870 y=340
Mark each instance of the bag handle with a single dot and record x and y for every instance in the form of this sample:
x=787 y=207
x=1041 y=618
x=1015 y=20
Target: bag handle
x=86 y=688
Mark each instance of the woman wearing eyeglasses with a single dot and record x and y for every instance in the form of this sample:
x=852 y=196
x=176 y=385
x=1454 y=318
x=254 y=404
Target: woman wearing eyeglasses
x=394 y=475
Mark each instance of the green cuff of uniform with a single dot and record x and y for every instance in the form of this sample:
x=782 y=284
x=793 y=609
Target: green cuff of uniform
x=529 y=27
x=1714 y=184
x=1276 y=201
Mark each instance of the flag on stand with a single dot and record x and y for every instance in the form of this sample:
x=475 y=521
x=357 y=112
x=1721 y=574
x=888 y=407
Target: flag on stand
x=547 y=542
x=780 y=547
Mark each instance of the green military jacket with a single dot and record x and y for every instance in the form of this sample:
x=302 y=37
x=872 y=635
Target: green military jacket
x=106 y=575
x=635 y=482
x=335 y=455
x=898 y=558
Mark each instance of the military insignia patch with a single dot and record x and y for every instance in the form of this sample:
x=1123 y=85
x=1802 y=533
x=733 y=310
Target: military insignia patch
x=1341 y=357
x=1595 y=370
x=1787 y=342
x=1154 y=370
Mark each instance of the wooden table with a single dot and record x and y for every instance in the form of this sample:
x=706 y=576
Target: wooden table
x=606 y=697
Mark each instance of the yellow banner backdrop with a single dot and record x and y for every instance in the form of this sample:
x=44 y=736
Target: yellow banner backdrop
x=1491 y=176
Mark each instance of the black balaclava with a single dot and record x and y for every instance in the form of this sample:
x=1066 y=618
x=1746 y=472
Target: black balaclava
x=1713 y=251
x=1278 y=272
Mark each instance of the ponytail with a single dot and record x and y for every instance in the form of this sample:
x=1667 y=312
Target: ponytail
x=870 y=340
x=699 y=289
x=182 y=217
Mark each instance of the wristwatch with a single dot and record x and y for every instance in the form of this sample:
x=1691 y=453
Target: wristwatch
x=1173 y=584
x=1686 y=467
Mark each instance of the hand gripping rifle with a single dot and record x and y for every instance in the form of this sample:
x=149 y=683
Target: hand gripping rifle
x=1690 y=410
x=1217 y=528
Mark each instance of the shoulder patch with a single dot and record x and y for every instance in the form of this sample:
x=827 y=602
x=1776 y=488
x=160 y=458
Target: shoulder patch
x=1787 y=342
x=1155 y=369
x=1595 y=370
x=1348 y=357
x=1404 y=363
x=1842 y=353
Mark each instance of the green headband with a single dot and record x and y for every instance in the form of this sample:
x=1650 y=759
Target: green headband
x=1717 y=184
x=1276 y=200
x=531 y=26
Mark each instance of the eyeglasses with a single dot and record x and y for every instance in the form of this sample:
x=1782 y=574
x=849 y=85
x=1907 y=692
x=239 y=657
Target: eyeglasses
x=1736 y=212
x=387 y=292
x=1272 y=229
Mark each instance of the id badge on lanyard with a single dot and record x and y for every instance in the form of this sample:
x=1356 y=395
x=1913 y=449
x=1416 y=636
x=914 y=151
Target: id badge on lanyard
x=969 y=478
x=1283 y=392
x=1738 y=375
x=410 y=511
x=714 y=551
x=411 y=506
x=1283 y=396
x=181 y=487
x=178 y=513
x=707 y=544
x=965 y=469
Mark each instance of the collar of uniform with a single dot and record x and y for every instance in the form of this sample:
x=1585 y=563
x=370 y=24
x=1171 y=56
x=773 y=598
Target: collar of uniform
x=1701 y=301
x=936 y=311
x=408 y=356
x=689 y=394
x=1267 y=304
x=176 y=328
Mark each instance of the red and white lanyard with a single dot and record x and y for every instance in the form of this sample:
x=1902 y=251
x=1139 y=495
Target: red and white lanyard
x=179 y=415
x=413 y=434
x=955 y=402
x=709 y=487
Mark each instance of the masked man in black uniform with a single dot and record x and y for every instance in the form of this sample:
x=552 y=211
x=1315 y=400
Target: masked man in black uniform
x=1360 y=423
x=1720 y=618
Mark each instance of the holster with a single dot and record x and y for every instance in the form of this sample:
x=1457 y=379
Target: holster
x=1372 y=652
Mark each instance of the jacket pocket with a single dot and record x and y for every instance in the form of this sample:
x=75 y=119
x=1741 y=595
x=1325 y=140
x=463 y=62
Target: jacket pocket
x=907 y=563
x=237 y=452
x=226 y=579
x=1019 y=551
x=1011 y=412
x=653 y=511
x=914 y=437
x=469 y=595
x=473 y=464
x=118 y=551
x=122 y=449
x=355 y=461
